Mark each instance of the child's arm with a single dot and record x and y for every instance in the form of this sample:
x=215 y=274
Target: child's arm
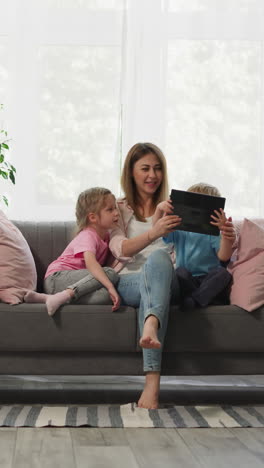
x=227 y=240
x=97 y=271
x=228 y=235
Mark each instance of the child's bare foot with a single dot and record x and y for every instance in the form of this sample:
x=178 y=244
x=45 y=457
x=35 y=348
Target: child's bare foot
x=149 y=337
x=149 y=398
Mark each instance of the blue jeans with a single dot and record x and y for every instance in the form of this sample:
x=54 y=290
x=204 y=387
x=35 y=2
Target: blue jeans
x=150 y=291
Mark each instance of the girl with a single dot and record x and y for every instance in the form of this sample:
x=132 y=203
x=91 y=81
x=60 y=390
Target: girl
x=96 y=213
x=142 y=259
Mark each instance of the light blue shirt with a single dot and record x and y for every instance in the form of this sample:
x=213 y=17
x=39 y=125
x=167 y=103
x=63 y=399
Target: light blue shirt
x=195 y=252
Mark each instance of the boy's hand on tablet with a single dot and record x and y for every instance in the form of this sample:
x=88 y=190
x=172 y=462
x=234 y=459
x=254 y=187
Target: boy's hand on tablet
x=219 y=218
x=228 y=230
x=224 y=224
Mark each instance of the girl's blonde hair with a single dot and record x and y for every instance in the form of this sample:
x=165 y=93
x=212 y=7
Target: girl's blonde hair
x=204 y=188
x=89 y=201
x=127 y=182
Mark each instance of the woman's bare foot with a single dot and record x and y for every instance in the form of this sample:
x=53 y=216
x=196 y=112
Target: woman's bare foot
x=149 y=398
x=149 y=337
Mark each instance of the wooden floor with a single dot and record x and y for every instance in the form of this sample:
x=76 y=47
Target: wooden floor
x=131 y=448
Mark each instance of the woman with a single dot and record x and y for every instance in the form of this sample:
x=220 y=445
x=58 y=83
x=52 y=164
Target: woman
x=142 y=259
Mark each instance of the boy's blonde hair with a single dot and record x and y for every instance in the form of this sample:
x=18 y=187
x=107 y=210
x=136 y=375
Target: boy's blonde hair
x=204 y=188
x=89 y=201
x=138 y=151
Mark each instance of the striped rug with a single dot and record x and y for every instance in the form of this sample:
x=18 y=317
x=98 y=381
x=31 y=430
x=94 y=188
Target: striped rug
x=130 y=415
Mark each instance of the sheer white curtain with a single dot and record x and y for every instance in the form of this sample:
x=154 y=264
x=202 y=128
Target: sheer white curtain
x=63 y=101
x=144 y=72
x=83 y=80
x=214 y=111
x=195 y=88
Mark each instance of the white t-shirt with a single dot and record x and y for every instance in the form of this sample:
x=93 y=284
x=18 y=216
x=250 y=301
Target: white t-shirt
x=135 y=228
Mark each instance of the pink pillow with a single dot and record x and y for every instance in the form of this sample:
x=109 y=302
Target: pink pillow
x=17 y=266
x=247 y=268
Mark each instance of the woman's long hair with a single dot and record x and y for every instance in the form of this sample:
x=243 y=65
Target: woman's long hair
x=127 y=181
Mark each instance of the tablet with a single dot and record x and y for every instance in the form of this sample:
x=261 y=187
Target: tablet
x=195 y=209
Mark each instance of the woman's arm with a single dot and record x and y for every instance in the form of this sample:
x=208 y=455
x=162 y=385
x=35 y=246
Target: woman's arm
x=162 y=208
x=97 y=271
x=162 y=228
x=124 y=248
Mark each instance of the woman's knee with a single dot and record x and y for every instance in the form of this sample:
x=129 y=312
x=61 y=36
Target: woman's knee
x=160 y=258
x=159 y=264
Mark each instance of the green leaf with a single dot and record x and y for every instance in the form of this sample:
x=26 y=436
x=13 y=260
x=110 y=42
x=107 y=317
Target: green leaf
x=5 y=146
x=12 y=177
x=1 y=158
x=13 y=168
x=5 y=200
x=4 y=174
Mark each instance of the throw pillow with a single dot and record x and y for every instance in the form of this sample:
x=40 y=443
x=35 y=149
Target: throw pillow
x=17 y=266
x=247 y=290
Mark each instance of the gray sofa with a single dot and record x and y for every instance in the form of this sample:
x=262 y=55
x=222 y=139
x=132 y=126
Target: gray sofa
x=93 y=340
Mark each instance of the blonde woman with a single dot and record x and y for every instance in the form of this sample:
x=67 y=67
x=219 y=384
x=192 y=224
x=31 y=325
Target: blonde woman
x=142 y=259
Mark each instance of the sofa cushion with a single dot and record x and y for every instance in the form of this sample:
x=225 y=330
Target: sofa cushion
x=17 y=267
x=74 y=328
x=47 y=240
x=247 y=268
x=215 y=329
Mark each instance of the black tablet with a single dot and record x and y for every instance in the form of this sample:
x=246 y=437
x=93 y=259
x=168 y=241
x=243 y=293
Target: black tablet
x=195 y=209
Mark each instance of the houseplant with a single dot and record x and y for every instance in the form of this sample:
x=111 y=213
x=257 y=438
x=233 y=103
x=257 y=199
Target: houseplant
x=7 y=170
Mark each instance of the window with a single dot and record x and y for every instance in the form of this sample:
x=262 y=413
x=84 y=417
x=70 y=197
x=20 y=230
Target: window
x=89 y=78
x=65 y=71
x=213 y=118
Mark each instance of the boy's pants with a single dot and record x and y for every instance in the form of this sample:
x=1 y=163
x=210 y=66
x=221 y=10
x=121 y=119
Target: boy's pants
x=214 y=287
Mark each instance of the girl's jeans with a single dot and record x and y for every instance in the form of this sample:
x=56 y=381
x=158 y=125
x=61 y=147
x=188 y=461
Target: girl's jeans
x=150 y=290
x=87 y=290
